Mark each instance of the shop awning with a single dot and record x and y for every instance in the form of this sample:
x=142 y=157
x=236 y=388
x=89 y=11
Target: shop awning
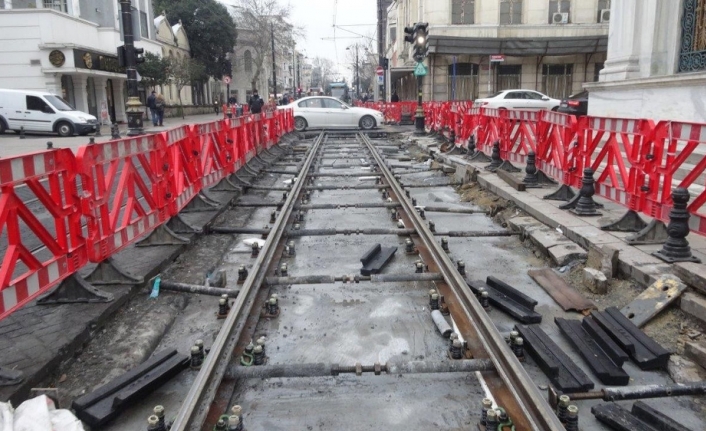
x=398 y=72
x=519 y=47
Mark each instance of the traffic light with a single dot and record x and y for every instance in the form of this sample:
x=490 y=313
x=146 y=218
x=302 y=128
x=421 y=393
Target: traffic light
x=121 y=56
x=409 y=31
x=139 y=55
x=421 y=40
x=385 y=63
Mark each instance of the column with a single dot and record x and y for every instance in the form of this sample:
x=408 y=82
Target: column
x=119 y=92
x=101 y=99
x=623 y=60
x=80 y=92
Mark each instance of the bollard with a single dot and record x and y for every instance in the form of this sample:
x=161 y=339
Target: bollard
x=98 y=130
x=677 y=249
x=495 y=160
x=114 y=131
x=50 y=145
x=583 y=204
x=22 y=132
x=531 y=178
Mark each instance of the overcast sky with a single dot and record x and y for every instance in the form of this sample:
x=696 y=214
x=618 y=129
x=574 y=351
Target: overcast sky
x=317 y=17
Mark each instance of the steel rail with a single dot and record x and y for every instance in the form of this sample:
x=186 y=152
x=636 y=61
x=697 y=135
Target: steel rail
x=535 y=408
x=202 y=392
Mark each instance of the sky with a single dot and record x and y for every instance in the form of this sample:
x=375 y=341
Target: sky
x=322 y=39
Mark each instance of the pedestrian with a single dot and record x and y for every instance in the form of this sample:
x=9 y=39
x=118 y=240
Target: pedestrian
x=159 y=105
x=215 y=106
x=285 y=99
x=151 y=103
x=256 y=103
x=395 y=97
x=229 y=110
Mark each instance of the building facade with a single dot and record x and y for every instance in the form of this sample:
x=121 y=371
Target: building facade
x=656 y=64
x=244 y=69
x=479 y=47
x=68 y=48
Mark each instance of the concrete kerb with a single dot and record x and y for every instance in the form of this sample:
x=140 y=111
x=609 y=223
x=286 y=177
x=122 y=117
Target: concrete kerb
x=633 y=263
x=123 y=293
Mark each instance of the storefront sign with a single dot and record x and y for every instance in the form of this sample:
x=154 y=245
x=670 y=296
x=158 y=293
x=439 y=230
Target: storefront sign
x=497 y=58
x=96 y=61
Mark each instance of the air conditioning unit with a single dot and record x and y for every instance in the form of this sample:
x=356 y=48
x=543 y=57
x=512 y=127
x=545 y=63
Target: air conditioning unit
x=560 y=18
x=605 y=15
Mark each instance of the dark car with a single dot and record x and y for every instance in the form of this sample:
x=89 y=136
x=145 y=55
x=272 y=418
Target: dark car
x=575 y=105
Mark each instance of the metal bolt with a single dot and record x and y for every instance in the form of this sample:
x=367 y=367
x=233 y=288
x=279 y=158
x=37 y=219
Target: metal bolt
x=414 y=202
x=258 y=356
x=432 y=226
x=563 y=404
x=491 y=420
x=237 y=410
x=273 y=216
x=272 y=307
x=393 y=214
x=284 y=195
x=434 y=301
x=384 y=194
x=291 y=250
x=518 y=348
x=487 y=404
x=421 y=214
x=485 y=299
x=234 y=423
x=572 y=418
x=296 y=226
x=242 y=274
x=406 y=192
x=461 y=266
x=196 y=359
x=255 y=249
x=221 y=425
x=152 y=423
x=222 y=308
x=265 y=228
x=513 y=335
x=159 y=412
x=409 y=245
x=419 y=267
x=445 y=244
x=283 y=270
x=457 y=350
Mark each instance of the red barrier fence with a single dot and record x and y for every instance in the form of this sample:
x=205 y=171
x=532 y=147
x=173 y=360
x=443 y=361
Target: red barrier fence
x=128 y=187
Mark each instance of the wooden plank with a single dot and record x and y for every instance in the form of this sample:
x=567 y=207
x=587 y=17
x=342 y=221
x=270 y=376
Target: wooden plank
x=653 y=300
x=566 y=296
x=512 y=180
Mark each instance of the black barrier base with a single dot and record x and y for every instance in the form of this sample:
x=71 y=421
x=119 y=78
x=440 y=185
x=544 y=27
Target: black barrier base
x=655 y=232
x=109 y=272
x=629 y=222
x=74 y=290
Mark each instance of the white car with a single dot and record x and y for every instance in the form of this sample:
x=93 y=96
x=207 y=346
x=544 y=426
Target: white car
x=328 y=112
x=519 y=99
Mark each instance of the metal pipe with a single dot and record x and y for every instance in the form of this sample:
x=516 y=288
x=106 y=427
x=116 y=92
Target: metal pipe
x=345 y=206
x=195 y=288
x=337 y=175
x=417 y=186
x=359 y=187
x=441 y=324
x=238 y=230
x=322 y=370
x=430 y=209
x=375 y=278
x=377 y=231
x=641 y=392
x=258 y=204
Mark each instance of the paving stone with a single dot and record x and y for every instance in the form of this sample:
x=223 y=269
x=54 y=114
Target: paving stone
x=588 y=235
x=595 y=281
x=562 y=254
x=682 y=370
x=523 y=223
x=695 y=305
x=604 y=259
x=693 y=274
x=546 y=238
x=696 y=352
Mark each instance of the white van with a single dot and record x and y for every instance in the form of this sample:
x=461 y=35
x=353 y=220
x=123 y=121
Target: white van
x=39 y=111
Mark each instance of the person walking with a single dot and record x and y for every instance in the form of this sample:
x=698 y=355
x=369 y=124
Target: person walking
x=395 y=97
x=215 y=106
x=256 y=103
x=152 y=104
x=159 y=105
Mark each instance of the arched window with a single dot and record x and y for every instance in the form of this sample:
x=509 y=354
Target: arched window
x=247 y=61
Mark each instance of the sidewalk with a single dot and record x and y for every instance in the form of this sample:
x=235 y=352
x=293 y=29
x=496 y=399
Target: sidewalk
x=11 y=144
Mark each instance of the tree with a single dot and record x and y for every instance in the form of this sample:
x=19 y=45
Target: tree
x=185 y=71
x=210 y=28
x=322 y=74
x=154 y=71
x=256 y=18
x=367 y=63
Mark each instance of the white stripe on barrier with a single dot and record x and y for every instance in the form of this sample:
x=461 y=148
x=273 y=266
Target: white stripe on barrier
x=39 y=164
x=9 y=297
x=18 y=169
x=53 y=273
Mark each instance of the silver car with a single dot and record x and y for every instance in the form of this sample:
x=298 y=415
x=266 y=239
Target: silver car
x=328 y=112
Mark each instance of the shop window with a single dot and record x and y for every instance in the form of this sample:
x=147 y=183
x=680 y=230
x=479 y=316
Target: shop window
x=559 y=11
x=67 y=89
x=463 y=81
x=692 y=56
x=463 y=11
x=91 y=93
x=510 y=11
x=393 y=35
x=247 y=61
x=144 y=28
x=509 y=77
x=557 y=80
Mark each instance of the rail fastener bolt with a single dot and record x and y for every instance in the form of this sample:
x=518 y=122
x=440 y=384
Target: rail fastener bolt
x=273 y=216
x=196 y=359
x=434 y=301
x=283 y=270
x=242 y=274
x=264 y=234
x=153 y=423
x=393 y=214
x=419 y=267
x=409 y=246
x=518 y=348
x=511 y=339
x=422 y=214
x=461 y=266
x=432 y=226
x=384 y=194
x=222 y=308
x=258 y=356
x=572 y=418
x=255 y=249
x=234 y=423
x=406 y=192
x=487 y=405
x=491 y=420
x=272 y=307
x=222 y=424
x=485 y=300
x=456 y=351
x=561 y=409
x=202 y=352
x=237 y=410
x=445 y=244
x=296 y=226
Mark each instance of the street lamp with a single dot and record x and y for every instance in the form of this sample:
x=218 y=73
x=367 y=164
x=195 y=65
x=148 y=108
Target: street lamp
x=131 y=57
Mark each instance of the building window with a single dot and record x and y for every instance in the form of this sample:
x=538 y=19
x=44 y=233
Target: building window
x=510 y=11
x=692 y=56
x=557 y=7
x=393 y=35
x=143 y=25
x=247 y=61
x=67 y=89
x=463 y=81
x=509 y=77
x=463 y=11
x=597 y=71
x=557 y=80
x=603 y=5
x=91 y=97
x=59 y=5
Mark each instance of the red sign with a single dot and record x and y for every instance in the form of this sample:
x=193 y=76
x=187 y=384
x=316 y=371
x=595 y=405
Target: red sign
x=226 y=79
x=497 y=58
x=380 y=71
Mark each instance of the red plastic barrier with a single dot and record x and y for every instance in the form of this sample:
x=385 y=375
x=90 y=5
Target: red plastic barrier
x=127 y=182
x=520 y=135
x=185 y=183
x=41 y=249
x=216 y=158
x=556 y=149
x=612 y=148
x=492 y=128
x=234 y=139
x=676 y=164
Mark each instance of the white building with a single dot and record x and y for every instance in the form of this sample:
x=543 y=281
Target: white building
x=656 y=65
x=175 y=44
x=244 y=69
x=69 y=48
x=553 y=46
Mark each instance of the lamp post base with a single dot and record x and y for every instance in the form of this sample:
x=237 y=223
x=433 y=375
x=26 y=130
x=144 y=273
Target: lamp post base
x=419 y=122
x=134 y=117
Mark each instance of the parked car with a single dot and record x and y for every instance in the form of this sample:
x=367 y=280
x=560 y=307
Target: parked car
x=518 y=99
x=575 y=105
x=38 y=111
x=329 y=112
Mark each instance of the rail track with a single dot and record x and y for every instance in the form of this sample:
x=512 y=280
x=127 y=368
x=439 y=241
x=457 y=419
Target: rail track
x=327 y=356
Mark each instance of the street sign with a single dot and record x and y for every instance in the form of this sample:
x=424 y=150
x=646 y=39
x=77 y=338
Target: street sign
x=380 y=71
x=381 y=79
x=420 y=70
x=499 y=58
x=226 y=79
